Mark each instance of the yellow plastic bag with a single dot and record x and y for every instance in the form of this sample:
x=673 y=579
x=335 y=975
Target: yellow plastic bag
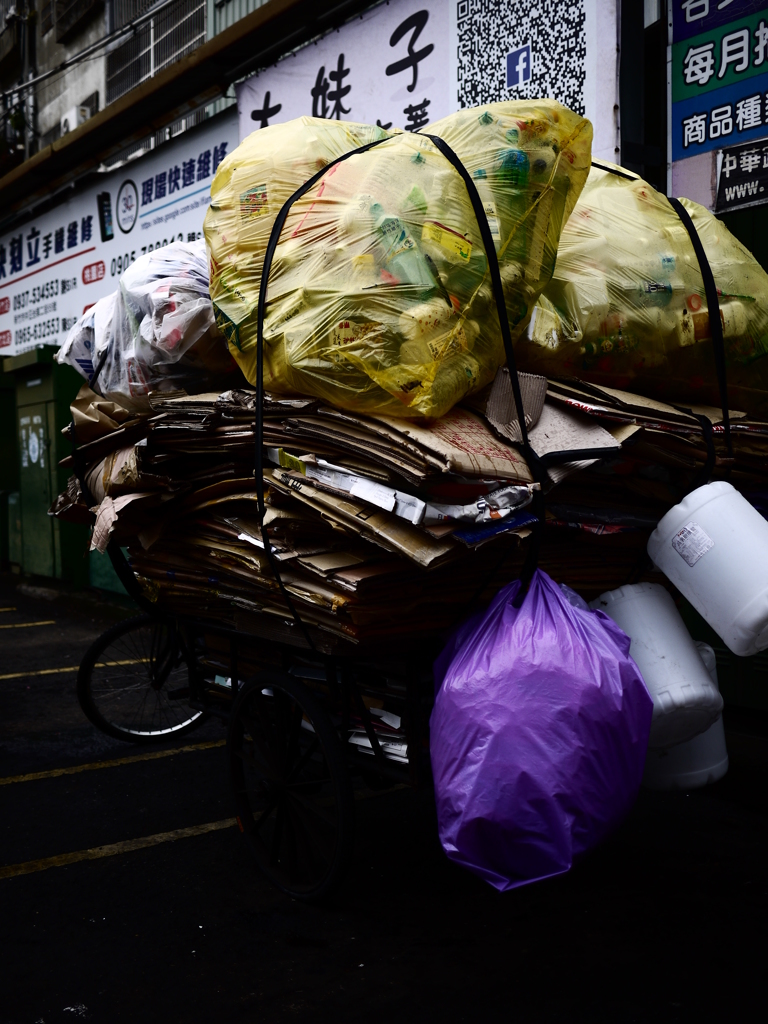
x=379 y=297
x=626 y=305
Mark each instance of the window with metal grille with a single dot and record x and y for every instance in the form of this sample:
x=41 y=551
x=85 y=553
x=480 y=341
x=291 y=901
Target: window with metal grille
x=69 y=14
x=174 y=32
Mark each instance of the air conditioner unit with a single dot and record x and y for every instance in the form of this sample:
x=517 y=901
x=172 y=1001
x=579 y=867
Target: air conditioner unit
x=73 y=118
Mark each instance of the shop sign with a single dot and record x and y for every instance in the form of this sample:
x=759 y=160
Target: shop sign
x=388 y=67
x=742 y=176
x=718 y=74
x=57 y=265
x=409 y=63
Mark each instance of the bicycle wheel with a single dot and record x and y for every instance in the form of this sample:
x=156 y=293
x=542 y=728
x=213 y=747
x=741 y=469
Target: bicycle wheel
x=292 y=788
x=126 y=681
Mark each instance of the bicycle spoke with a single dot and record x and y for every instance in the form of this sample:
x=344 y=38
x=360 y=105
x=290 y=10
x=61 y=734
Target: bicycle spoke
x=120 y=685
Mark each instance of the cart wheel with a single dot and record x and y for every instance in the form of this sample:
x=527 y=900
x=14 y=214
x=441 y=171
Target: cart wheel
x=126 y=681
x=292 y=787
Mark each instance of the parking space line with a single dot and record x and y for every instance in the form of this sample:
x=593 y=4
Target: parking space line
x=151 y=755
x=97 y=852
x=7 y=609
x=23 y=625
x=30 y=867
x=72 y=668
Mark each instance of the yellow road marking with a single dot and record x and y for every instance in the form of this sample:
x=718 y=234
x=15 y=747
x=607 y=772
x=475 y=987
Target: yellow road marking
x=97 y=852
x=41 y=672
x=73 y=668
x=22 y=625
x=7 y=609
x=152 y=755
x=129 y=845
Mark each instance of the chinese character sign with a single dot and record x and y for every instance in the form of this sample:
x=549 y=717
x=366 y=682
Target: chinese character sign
x=743 y=177
x=692 y=17
x=389 y=67
x=408 y=63
x=60 y=264
x=719 y=78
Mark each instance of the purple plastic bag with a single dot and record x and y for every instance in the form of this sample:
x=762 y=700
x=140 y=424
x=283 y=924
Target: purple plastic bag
x=538 y=735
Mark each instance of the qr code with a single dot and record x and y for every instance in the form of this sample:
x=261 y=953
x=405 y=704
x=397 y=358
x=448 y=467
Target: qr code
x=488 y=30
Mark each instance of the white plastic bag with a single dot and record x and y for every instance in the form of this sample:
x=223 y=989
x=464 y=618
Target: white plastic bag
x=157 y=332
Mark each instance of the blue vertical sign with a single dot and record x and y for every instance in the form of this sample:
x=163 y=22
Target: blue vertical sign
x=719 y=77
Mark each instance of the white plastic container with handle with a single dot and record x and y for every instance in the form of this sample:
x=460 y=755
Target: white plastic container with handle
x=714 y=547
x=685 y=700
x=700 y=761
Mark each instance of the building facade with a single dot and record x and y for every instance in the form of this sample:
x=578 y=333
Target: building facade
x=62 y=61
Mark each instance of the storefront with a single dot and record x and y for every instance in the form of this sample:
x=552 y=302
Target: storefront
x=53 y=268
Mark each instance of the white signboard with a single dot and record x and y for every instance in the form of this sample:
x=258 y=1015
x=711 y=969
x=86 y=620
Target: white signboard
x=56 y=266
x=389 y=67
x=408 y=63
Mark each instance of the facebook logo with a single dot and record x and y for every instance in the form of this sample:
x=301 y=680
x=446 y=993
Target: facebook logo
x=519 y=66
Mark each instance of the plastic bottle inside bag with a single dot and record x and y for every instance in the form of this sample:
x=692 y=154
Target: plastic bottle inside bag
x=398 y=252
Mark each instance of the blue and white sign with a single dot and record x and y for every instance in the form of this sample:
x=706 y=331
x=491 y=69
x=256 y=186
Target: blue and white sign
x=718 y=90
x=519 y=66
x=57 y=265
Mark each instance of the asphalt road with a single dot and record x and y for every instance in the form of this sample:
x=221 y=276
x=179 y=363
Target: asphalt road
x=666 y=922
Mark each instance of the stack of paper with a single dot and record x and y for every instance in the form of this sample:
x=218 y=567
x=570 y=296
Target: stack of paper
x=379 y=527
x=388 y=729
x=384 y=528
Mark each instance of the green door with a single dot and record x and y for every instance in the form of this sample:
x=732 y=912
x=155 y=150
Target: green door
x=37 y=525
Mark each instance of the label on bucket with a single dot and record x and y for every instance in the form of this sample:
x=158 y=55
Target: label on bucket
x=692 y=542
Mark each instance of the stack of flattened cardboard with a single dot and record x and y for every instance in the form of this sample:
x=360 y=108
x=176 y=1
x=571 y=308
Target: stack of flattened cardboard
x=598 y=520
x=386 y=528
x=379 y=527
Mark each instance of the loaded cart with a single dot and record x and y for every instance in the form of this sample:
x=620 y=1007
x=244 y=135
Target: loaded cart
x=307 y=711
x=314 y=444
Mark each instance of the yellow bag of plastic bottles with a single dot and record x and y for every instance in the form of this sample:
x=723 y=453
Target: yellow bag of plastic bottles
x=626 y=305
x=379 y=297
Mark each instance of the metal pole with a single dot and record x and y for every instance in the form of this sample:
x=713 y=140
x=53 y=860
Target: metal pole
x=24 y=77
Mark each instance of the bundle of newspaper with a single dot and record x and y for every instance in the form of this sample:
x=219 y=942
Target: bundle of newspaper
x=598 y=521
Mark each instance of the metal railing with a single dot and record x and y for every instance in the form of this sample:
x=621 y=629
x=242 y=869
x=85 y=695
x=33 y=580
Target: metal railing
x=174 y=32
x=124 y=11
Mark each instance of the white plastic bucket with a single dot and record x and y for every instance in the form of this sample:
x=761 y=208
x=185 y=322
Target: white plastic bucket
x=700 y=761
x=714 y=547
x=685 y=700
